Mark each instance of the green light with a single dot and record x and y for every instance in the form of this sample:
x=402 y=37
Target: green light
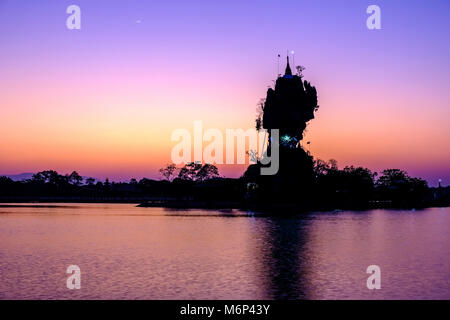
x=286 y=138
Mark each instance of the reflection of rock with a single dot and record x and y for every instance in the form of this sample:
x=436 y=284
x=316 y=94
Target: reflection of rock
x=282 y=262
x=288 y=107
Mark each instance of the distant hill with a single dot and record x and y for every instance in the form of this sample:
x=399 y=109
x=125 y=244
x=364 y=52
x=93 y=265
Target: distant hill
x=19 y=177
x=27 y=175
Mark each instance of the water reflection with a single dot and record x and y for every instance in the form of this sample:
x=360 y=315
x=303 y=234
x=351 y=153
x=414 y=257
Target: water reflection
x=150 y=253
x=283 y=261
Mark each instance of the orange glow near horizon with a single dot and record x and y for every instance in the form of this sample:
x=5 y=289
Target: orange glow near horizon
x=125 y=136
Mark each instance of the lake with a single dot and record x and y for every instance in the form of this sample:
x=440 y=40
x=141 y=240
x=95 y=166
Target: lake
x=126 y=252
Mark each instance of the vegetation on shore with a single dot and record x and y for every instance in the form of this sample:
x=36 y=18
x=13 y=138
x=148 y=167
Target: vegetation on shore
x=196 y=185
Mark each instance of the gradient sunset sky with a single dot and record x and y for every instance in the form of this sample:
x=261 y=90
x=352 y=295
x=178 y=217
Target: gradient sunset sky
x=105 y=99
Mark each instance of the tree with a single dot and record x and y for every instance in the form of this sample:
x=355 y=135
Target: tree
x=392 y=179
x=189 y=171
x=197 y=172
x=322 y=167
x=359 y=181
x=168 y=172
x=399 y=179
x=300 y=70
x=5 y=180
x=333 y=164
x=397 y=185
x=75 y=179
x=259 y=114
x=51 y=177
x=207 y=171
x=38 y=178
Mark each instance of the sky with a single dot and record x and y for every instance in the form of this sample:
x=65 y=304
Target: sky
x=104 y=100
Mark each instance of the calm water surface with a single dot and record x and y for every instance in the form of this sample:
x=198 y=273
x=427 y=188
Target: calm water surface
x=126 y=252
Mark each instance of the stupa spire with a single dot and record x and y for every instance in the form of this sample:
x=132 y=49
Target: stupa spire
x=288 y=71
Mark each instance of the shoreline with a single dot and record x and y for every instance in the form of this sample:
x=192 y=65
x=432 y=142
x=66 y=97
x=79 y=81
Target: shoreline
x=207 y=205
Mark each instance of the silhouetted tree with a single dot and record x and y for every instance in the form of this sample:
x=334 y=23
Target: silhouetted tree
x=197 y=172
x=107 y=184
x=300 y=70
x=259 y=114
x=5 y=180
x=333 y=165
x=392 y=179
x=168 y=172
x=189 y=171
x=206 y=172
x=351 y=187
x=322 y=167
x=75 y=179
x=50 y=177
x=398 y=186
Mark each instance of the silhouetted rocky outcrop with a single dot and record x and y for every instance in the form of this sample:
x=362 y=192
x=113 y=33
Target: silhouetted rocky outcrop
x=287 y=107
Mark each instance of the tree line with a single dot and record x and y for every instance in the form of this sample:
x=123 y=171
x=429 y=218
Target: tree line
x=332 y=187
